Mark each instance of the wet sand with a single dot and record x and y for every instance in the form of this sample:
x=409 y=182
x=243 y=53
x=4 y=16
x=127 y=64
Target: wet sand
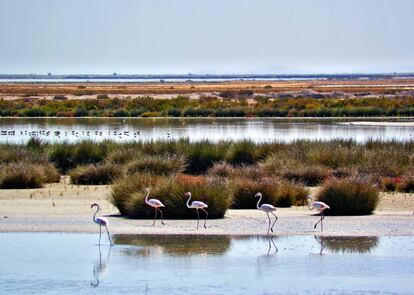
x=66 y=208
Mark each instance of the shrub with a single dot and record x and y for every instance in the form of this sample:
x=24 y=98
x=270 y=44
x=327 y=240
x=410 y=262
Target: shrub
x=245 y=152
x=88 y=152
x=389 y=184
x=202 y=155
x=310 y=176
x=61 y=156
x=197 y=113
x=34 y=112
x=121 y=113
x=275 y=192
x=102 y=96
x=158 y=165
x=174 y=113
x=128 y=195
x=26 y=175
x=60 y=97
x=406 y=184
x=81 y=112
x=222 y=169
x=150 y=114
x=122 y=155
x=91 y=174
x=348 y=197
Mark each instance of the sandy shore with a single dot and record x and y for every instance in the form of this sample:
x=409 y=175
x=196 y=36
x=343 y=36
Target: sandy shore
x=66 y=208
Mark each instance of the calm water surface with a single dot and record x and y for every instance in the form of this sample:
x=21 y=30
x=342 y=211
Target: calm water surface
x=18 y=130
x=33 y=263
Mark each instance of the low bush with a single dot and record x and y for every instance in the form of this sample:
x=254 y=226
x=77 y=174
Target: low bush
x=406 y=184
x=275 y=192
x=389 y=184
x=158 y=165
x=203 y=155
x=348 y=197
x=122 y=155
x=26 y=175
x=310 y=176
x=95 y=175
x=222 y=169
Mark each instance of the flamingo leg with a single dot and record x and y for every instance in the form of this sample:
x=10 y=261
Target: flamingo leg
x=100 y=233
x=268 y=228
x=162 y=219
x=276 y=218
x=205 y=221
x=155 y=217
x=198 y=217
x=109 y=237
x=320 y=220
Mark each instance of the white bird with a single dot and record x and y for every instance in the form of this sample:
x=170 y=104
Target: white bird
x=154 y=203
x=320 y=207
x=101 y=221
x=267 y=208
x=198 y=205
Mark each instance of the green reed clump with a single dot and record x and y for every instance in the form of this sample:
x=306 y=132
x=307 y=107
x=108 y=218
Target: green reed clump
x=310 y=176
x=158 y=165
x=245 y=152
x=95 y=174
x=349 y=197
x=122 y=155
x=126 y=189
x=128 y=195
x=202 y=155
x=276 y=192
x=61 y=155
x=26 y=175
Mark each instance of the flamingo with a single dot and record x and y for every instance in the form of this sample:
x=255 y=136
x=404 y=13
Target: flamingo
x=198 y=205
x=320 y=207
x=267 y=208
x=156 y=204
x=101 y=221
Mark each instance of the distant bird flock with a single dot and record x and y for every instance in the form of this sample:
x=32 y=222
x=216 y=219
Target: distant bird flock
x=198 y=205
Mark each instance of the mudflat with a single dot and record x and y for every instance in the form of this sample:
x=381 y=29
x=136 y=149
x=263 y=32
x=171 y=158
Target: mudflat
x=66 y=208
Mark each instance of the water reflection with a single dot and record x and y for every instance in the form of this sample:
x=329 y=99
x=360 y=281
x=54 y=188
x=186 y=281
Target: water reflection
x=174 y=245
x=359 y=245
x=100 y=267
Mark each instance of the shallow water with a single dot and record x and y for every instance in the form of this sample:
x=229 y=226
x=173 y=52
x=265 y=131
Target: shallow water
x=18 y=130
x=33 y=263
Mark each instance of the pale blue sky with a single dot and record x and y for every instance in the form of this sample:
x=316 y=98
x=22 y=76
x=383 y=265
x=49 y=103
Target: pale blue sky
x=214 y=36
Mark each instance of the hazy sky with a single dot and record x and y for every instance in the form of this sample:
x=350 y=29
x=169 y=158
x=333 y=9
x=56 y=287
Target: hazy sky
x=206 y=36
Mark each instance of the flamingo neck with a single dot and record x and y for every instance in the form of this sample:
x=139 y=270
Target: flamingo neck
x=96 y=212
x=310 y=204
x=188 y=202
x=146 y=197
x=258 y=202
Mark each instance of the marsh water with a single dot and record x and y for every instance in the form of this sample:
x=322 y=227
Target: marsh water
x=18 y=130
x=53 y=263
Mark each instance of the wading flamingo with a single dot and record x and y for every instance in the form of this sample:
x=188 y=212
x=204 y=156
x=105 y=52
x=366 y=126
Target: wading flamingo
x=101 y=221
x=320 y=207
x=198 y=206
x=156 y=204
x=267 y=208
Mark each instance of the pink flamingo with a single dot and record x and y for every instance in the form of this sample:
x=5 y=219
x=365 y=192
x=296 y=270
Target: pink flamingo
x=198 y=205
x=320 y=207
x=267 y=208
x=101 y=221
x=156 y=204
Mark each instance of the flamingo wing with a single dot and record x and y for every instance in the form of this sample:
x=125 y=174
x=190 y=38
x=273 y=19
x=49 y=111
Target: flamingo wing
x=199 y=204
x=320 y=205
x=156 y=203
x=267 y=207
x=102 y=221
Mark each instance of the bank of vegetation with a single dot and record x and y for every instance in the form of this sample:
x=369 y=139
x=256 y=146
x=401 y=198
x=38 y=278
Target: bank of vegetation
x=242 y=103
x=224 y=174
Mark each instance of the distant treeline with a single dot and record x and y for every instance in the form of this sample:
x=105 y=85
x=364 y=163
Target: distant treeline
x=238 y=104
